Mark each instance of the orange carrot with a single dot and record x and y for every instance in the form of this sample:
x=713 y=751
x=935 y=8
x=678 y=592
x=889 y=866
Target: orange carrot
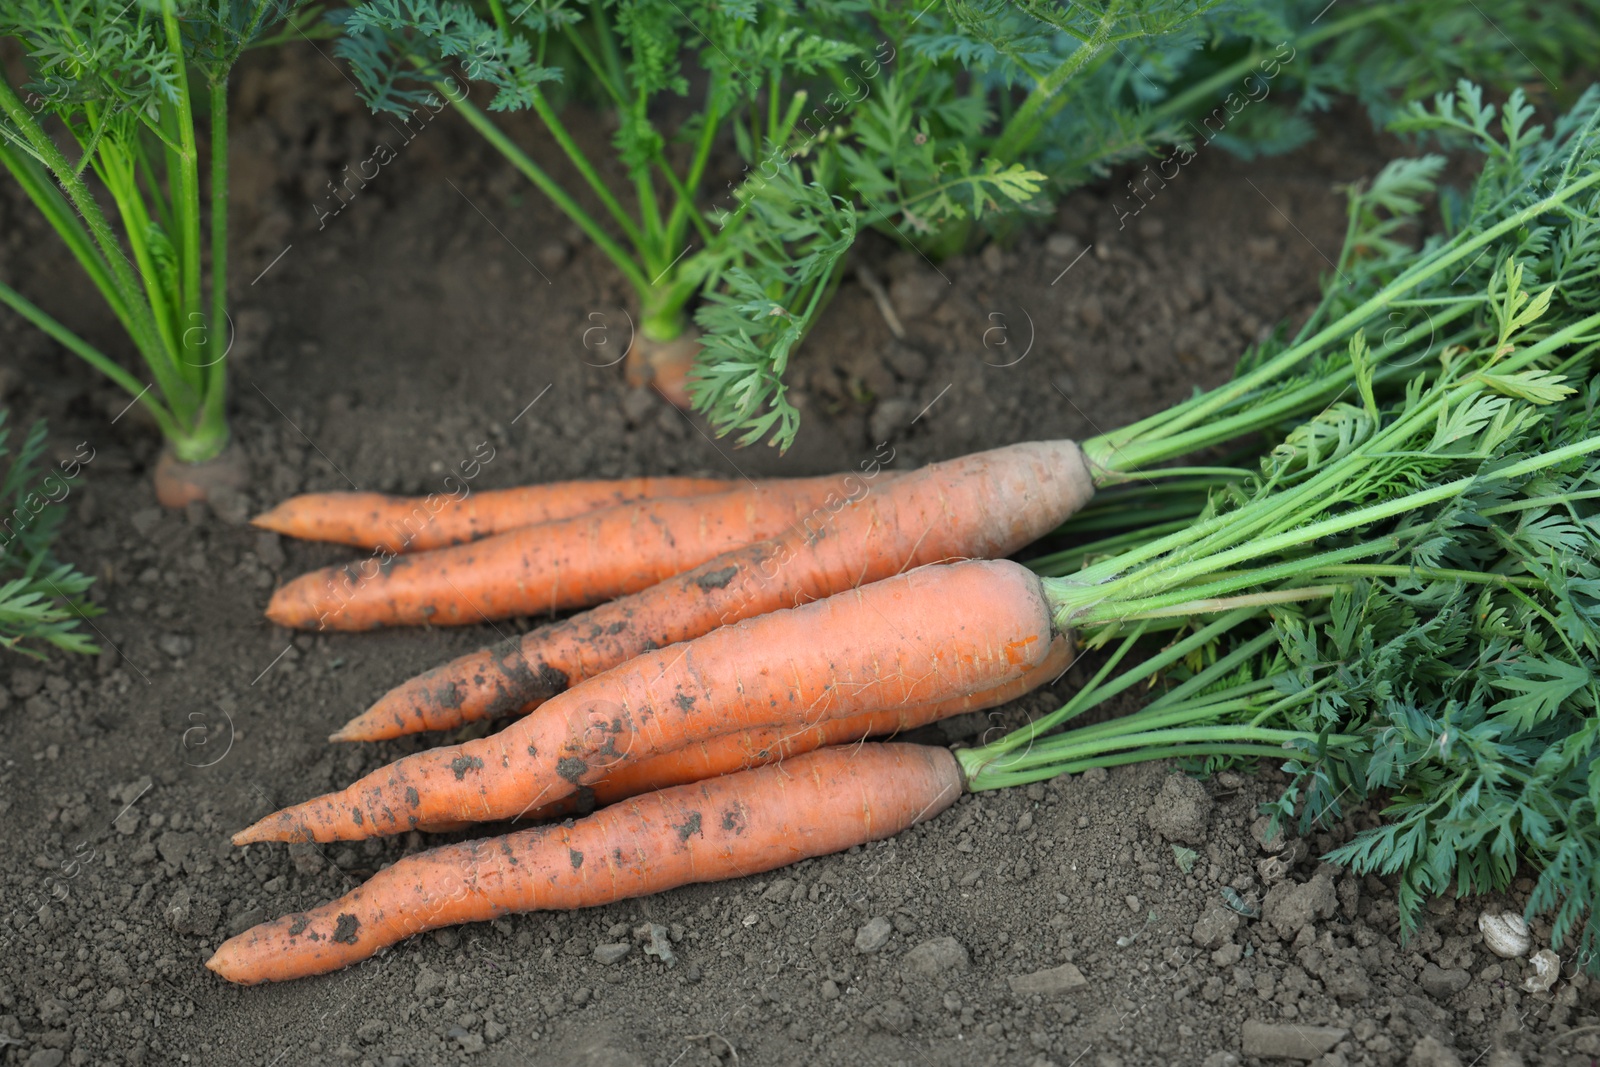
x=745 y=749
x=415 y=523
x=981 y=506
x=931 y=634
x=727 y=827
x=549 y=567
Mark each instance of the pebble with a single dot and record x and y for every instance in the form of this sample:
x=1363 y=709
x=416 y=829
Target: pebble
x=428 y=983
x=1442 y=984
x=1182 y=811
x=936 y=958
x=830 y=989
x=1289 y=907
x=1052 y=982
x=874 y=935
x=779 y=891
x=1215 y=927
x=1062 y=246
x=1289 y=1041
x=46 y=1057
x=1431 y=1052
x=611 y=953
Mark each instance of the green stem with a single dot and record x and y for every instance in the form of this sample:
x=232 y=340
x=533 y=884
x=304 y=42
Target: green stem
x=214 y=411
x=557 y=195
x=186 y=206
x=1126 y=448
x=90 y=355
x=1020 y=130
x=979 y=778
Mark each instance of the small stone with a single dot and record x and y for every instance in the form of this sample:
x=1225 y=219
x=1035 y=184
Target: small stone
x=1182 y=810
x=1441 y=984
x=874 y=935
x=552 y=255
x=1431 y=1052
x=1227 y=955
x=470 y=1042
x=175 y=645
x=1290 y=906
x=1289 y=1041
x=1215 y=928
x=246 y=919
x=305 y=856
x=830 y=989
x=892 y=415
x=429 y=983
x=611 y=953
x=936 y=958
x=46 y=1057
x=779 y=891
x=637 y=404
x=1062 y=246
x=907 y=362
x=229 y=505
x=1269 y=838
x=146 y=520
x=1053 y=982
x=190 y=914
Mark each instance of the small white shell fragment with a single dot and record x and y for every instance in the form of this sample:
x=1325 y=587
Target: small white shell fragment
x=1546 y=969
x=1505 y=933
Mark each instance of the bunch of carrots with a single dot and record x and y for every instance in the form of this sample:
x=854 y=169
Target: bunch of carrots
x=740 y=638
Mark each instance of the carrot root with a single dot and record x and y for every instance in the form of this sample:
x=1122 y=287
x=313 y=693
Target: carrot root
x=553 y=566
x=745 y=749
x=414 y=524
x=727 y=827
x=932 y=634
x=985 y=505
x=180 y=484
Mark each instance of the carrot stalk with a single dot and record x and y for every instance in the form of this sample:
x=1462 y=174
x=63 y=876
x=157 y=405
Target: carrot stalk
x=727 y=827
x=553 y=566
x=925 y=636
x=413 y=524
x=980 y=506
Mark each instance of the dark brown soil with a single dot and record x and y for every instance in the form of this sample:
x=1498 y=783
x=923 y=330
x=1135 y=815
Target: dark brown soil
x=447 y=307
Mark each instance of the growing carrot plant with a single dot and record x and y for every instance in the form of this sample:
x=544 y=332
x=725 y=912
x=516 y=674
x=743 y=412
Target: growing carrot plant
x=41 y=598
x=139 y=89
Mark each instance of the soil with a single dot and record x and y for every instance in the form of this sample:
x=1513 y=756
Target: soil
x=1135 y=917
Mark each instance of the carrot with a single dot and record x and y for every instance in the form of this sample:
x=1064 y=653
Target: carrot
x=740 y=751
x=980 y=506
x=745 y=749
x=727 y=827
x=416 y=523
x=549 y=567
x=931 y=634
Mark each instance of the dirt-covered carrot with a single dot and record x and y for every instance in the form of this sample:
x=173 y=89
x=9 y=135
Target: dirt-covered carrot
x=414 y=524
x=928 y=635
x=739 y=824
x=549 y=567
x=985 y=505
x=745 y=749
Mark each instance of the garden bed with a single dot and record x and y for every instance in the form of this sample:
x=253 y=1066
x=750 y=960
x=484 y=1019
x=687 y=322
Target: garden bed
x=379 y=346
